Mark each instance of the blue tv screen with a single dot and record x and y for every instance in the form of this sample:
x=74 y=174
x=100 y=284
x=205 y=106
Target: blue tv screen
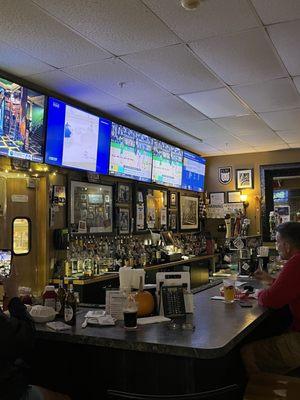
x=193 y=172
x=22 y=130
x=76 y=138
x=167 y=164
x=130 y=154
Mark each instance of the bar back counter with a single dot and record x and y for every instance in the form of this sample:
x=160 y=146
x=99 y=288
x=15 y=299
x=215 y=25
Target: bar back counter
x=85 y=362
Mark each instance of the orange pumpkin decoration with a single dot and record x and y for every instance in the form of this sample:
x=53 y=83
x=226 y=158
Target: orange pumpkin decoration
x=145 y=301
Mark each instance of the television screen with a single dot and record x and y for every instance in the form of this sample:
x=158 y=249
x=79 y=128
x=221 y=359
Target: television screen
x=21 y=122
x=76 y=138
x=193 y=172
x=130 y=154
x=167 y=164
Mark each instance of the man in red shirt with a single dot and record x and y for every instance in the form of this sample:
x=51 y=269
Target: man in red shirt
x=279 y=354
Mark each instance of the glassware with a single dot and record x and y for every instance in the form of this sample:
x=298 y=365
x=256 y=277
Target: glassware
x=229 y=290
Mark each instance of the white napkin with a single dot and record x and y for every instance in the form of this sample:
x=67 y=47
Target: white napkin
x=58 y=326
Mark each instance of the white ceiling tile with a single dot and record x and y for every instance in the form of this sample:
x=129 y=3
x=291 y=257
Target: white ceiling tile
x=61 y=83
x=282 y=120
x=278 y=94
x=271 y=147
x=17 y=62
x=121 y=27
x=113 y=76
x=225 y=142
x=286 y=40
x=207 y=129
x=216 y=103
x=174 y=68
x=296 y=80
x=272 y=11
x=294 y=145
x=25 y=26
x=262 y=139
x=243 y=57
x=292 y=136
x=231 y=16
x=244 y=125
x=171 y=109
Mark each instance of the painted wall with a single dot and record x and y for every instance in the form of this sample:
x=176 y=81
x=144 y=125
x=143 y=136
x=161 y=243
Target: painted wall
x=250 y=160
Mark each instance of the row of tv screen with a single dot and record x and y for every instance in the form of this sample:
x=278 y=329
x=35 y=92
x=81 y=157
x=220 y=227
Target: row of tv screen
x=80 y=140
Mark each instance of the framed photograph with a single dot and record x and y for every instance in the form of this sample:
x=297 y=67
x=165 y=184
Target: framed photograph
x=140 y=197
x=124 y=220
x=173 y=220
x=233 y=197
x=216 y=198
x=88 y=212
x=59 y=195
x=244 y=179
x=173 y=199
x=124 y=193
x=189 y=209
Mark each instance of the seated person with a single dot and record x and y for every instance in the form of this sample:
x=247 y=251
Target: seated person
x=17 y=339
x=279 y=354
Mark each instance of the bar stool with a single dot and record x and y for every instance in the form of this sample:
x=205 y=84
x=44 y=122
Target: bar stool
x=231 y=392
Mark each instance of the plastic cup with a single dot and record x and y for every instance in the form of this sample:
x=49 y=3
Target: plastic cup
x=229 y=290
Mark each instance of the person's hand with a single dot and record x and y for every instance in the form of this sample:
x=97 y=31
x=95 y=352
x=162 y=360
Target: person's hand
x=263 y=276
x=10 y=284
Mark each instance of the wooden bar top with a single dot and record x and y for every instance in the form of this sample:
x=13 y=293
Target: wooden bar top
x=219 y=327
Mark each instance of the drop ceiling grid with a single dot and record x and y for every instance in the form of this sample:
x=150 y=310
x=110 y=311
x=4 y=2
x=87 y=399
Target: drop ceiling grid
x=73 y=40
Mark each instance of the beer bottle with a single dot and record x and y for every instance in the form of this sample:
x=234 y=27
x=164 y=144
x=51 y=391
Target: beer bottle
x=70 y=306
x=61 y=296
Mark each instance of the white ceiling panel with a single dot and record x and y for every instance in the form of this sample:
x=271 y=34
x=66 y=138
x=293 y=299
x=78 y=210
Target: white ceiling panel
x=271 y=147
x=25 y=26
x=241 y=57
x=272 y=11
x=295 y=145
x=225 y=142
x=296 y=81
x=290 y=136
x=262 y=139
x=278 y=94
x=116 y=78
x=282 y=120
x=232 y=16
x=208 y=129
x=174 y=68
x=216 y=103
x=286 y=39
x=17 y=62
x=61 y=83
x=170 y=109
x=121 y=27
x=244 y=125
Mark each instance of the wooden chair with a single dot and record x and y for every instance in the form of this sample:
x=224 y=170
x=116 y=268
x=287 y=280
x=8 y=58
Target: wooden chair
x=227 y=392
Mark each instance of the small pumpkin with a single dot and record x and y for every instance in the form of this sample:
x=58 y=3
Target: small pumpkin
x=145 y=301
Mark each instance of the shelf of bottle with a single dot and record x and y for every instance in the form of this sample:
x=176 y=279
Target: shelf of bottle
x=115 y=275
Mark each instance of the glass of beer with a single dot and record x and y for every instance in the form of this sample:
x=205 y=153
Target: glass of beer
x=130 y=313
x=229 y=290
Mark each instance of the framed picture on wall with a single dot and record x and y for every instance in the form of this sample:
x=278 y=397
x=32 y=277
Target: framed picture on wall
x=234 y=196
x=124 y=193
x=124 y=220
x=173 y=199
x=244 y=179
x=189 y=212
x=216 y=198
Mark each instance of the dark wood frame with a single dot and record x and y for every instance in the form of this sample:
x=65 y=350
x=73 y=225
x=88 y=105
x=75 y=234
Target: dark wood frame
x=267 y=173
x=236 y=178
x=216 y=193
x=180 y=201
x=231 y=192
x=118 y=199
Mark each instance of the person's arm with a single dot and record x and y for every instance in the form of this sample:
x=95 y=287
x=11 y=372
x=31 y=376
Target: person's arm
x=16 y=331
x=284 y=289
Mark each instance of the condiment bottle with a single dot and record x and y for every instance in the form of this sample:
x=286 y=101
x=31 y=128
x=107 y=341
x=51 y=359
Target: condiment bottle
x=49 y=297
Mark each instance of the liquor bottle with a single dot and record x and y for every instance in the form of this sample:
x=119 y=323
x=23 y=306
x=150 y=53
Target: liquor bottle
x=61 y=297
x=70 y=307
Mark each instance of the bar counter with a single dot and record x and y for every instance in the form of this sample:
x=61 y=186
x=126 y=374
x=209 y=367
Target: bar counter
x=218 y=328
x=154 y=358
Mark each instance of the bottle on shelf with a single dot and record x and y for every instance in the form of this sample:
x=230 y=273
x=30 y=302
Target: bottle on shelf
x=61 y=297
x=70 y=306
